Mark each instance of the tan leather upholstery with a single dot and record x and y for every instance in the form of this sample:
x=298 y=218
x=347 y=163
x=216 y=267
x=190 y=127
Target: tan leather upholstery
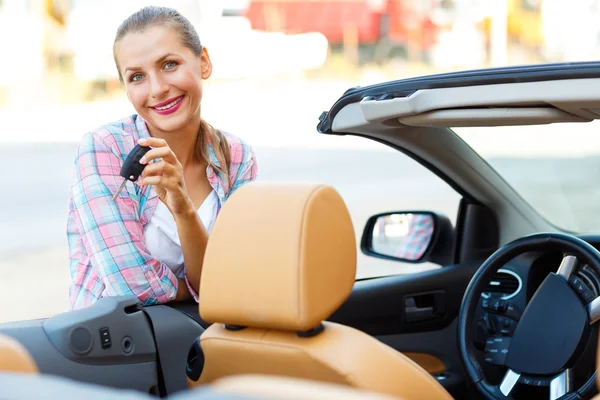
x=339 y=355
x=14 y=357
x=280 y=259
x=280 y=388
x=429 y=363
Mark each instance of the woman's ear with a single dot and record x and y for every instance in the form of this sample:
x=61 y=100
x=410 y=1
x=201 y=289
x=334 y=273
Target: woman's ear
x=205 y=64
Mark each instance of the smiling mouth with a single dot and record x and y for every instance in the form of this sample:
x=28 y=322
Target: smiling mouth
x=168 y=105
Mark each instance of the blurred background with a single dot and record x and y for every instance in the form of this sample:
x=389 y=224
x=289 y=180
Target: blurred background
x=277 y=66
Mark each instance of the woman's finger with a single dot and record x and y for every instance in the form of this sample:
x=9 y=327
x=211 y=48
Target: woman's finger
x=160 y=168
x=164 y=153
x=162 y=181
x=160 y=149
x=153 y=142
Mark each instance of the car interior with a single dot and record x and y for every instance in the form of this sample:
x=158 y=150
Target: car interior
x=512 y=311
x=307 y=271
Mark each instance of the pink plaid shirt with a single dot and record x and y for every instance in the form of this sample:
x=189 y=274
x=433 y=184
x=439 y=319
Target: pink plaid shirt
x=108 y=256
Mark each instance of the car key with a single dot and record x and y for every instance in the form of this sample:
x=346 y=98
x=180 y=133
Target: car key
x=132 y=168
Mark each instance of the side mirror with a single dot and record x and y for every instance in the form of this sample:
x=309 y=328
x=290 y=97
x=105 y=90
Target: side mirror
x=409 y=236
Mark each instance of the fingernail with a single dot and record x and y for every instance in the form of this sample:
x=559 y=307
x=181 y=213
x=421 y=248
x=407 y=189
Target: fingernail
x=142 y=141
x=143 y=160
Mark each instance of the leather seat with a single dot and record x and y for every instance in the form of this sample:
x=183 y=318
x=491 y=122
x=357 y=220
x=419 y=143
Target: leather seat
x=14 y=357
x=284 y=388
x=280 y=260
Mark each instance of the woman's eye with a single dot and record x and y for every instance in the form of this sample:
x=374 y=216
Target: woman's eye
x=135 y=78
x=170 y=64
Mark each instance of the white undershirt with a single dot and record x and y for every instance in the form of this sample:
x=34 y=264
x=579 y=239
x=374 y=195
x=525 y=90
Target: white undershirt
x=162 y=239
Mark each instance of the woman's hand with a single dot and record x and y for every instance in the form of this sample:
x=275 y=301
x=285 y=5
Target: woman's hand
x=166 y=176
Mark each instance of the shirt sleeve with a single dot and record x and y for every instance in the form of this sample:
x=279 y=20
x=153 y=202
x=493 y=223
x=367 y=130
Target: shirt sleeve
x=111 y=231
x=247 y=171
x=418 y=238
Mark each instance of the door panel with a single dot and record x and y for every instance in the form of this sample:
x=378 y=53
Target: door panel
x=421 y=302
x=115 y=342
x=110 y=343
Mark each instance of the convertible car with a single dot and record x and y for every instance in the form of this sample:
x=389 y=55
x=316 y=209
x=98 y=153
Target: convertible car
x=510 y=311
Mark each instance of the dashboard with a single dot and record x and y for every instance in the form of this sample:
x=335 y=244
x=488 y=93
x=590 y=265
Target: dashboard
x=506 y=296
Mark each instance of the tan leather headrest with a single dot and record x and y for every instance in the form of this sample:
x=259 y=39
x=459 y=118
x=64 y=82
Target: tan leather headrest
x=280 y=256
x=14 y=357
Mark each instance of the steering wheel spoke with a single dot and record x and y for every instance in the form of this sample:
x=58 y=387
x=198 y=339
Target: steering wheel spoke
x=561 y=384
x=593 y=310
x=567 y=266
x=510 y=380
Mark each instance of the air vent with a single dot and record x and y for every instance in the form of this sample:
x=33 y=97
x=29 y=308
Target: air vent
x=504 y=282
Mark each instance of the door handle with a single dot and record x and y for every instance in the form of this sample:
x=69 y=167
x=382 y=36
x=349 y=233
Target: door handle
x=418 y=314
x=424 y=307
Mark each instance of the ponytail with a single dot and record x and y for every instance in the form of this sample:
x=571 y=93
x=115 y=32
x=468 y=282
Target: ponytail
x=220 y=146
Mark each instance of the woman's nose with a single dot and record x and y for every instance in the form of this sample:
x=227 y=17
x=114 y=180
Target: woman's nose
x=158 y=87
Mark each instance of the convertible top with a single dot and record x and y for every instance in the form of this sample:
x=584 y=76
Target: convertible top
x=407 y=88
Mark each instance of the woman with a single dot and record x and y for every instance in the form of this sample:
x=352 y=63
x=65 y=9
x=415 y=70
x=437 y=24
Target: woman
x=150 y=241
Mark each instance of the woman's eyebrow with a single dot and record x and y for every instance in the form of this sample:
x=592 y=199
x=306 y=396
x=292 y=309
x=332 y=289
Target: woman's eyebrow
x=164 y=57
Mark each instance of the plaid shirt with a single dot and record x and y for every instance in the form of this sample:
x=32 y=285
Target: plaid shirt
x=108 y=256
x=417 y=240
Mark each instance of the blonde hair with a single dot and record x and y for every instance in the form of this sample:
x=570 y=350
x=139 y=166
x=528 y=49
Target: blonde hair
x=152 y=16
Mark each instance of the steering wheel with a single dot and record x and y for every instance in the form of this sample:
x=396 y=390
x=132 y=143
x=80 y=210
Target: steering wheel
x=553 y=329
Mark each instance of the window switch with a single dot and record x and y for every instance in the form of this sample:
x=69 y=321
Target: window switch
x=105 y=338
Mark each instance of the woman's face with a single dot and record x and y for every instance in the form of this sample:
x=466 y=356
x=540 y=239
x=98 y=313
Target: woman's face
x=162 y=77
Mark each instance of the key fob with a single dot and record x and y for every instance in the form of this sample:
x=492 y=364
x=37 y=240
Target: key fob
x=132 y=168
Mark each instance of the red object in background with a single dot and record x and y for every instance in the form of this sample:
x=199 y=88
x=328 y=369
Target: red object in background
x=393 y=20
x=328 y=17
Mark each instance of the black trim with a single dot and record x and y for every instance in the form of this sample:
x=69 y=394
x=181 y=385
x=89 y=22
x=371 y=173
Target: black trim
x=189 y=308
x=311 y=332
x=231 y=327
x=195 y=361
x=459 y=229
x=479 y=233
x=486 y=76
